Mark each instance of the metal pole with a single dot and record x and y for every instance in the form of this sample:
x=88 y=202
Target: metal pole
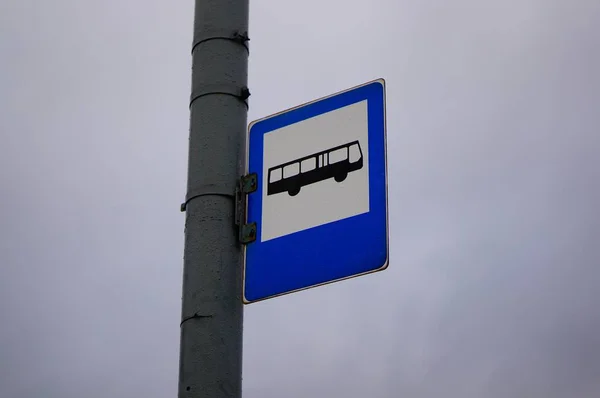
x=210 y=362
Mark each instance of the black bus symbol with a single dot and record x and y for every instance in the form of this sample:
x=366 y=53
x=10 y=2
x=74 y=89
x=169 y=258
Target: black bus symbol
x=333 y=163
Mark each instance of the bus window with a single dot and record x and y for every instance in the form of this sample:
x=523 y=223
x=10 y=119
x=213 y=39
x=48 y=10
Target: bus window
x=308 y=165
x=355 y=154
x=291 y=170
x=275 y=175
x=338 y=155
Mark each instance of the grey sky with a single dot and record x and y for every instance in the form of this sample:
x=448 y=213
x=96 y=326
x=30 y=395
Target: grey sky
x=492 y=288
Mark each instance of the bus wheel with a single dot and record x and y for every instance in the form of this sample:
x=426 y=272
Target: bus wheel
x=294 y=191
x=341 y=176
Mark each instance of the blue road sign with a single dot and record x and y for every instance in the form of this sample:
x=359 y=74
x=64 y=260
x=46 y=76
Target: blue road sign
x=320 y=206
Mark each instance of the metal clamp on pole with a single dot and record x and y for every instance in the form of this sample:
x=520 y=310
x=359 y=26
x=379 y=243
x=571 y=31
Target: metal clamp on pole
x=247 y=184
x=241 y=93
x=205 y=190
x=206 y=35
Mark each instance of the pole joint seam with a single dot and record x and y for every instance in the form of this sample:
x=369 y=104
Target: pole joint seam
x=241 y=93
x=221 y=34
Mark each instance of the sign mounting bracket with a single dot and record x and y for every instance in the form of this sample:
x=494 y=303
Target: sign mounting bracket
x=247 y=184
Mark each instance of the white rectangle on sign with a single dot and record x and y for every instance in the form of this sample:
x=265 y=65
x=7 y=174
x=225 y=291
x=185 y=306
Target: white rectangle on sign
x=316 y=171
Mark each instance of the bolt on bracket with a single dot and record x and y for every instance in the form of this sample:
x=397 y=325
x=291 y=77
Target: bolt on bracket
x=246 y=185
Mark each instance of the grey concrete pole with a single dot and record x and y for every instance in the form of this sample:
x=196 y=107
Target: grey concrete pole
x=210 y=364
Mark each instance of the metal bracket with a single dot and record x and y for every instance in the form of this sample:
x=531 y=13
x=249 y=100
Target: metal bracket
x=246 y=185
x=204 y=190
x=241 y=93
x=237 y=37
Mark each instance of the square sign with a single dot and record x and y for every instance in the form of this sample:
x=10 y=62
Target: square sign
x=320 y=207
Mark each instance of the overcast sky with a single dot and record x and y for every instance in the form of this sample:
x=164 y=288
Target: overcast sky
x=493 y=285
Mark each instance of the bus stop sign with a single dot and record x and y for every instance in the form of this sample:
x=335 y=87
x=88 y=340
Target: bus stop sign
x=320 y=204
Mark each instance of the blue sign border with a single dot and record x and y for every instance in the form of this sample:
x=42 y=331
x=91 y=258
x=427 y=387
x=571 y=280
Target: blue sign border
x=331 y=252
